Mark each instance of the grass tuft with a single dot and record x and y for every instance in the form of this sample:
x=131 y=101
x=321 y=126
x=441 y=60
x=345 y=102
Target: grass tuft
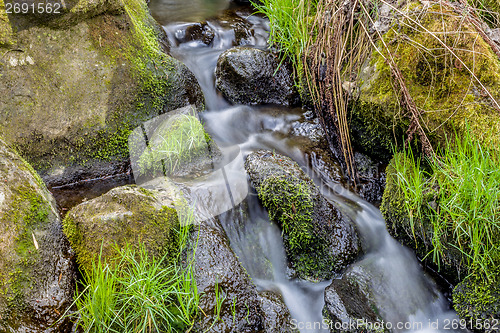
x=139 y=293
x=460 y=195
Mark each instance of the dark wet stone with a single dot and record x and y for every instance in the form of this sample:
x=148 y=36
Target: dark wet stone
x=253 y=76
x=37 y=271
x=318 y=239
x=347 y=301
x=217 y=267
x=371 y=178
x=195 y=32
x=277 y=315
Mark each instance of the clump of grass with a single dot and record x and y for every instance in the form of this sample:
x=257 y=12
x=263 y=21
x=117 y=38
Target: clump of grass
x=465 y=214
x=290 y=23
x=139 y=293
x=181 y=141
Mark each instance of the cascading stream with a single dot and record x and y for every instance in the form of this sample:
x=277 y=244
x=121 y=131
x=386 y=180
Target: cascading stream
x=401 y=289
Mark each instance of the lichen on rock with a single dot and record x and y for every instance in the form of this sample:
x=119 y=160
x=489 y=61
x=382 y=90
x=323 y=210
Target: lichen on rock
x=445 y=64
x=71 y=93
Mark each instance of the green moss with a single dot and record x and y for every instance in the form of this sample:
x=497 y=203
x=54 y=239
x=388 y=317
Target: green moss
x=439 y=83
x=29 y=212
x=115 y=220
x=6 y=34
x=477 y=299
x=290 y=204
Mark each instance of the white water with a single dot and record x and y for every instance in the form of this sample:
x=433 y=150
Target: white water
x=402 y=292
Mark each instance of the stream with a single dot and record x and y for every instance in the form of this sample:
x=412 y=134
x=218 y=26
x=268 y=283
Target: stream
x=403 y=292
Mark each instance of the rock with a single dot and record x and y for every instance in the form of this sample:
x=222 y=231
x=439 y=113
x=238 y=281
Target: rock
x=318 y=239
x=253 y=76
x=277 y=315
x=124 y=215
x=371 y=178
x=37 y=273
x=348 y=305
x=439 y=84
x=228 y=299
x=200 y=31
x=477 y=300
x=69 y=97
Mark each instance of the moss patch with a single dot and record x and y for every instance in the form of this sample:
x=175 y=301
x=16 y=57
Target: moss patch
x=440 y=84
x=125 y=215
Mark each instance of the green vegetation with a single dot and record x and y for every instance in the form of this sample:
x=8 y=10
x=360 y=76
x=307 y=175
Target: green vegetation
x=290 y=26
x=139 y=293
x=136 y=291
x=180 y=141
x=459 y=194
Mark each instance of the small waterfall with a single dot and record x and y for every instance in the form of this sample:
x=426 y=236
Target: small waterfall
x=401 y=290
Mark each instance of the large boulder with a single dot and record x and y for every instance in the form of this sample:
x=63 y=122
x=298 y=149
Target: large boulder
x=125 y=215
x=229 y=301
x=74 y=85
x=37 y=273
x=436 y=69
x=251 y=76
x=318 y=239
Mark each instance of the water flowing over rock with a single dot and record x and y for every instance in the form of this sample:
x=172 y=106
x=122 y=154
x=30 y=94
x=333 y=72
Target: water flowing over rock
x=228 y=298
x=347 y=302
x=319 y=240
x=125 y=215
x=37 y=273
x=253 y=76
x=75 y=84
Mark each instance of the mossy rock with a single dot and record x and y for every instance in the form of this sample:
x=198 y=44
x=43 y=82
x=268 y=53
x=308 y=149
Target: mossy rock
x=71 y=94
x=318 y=239
x=478 y=301
x=439 y=83
x=126 y=215
x=37 y=273
x=419 y=236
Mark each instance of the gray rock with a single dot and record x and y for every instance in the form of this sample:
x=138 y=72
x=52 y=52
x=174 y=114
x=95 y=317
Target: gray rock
x=70 y=96
x=318 y=239
x=253 y=76
x=277 y=315
x=37 y=273
x=347 y=302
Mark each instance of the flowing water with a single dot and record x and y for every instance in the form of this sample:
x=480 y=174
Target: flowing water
x=402 y=291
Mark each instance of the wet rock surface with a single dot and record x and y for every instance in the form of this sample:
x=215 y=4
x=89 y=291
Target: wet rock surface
x=277 y=315
x=318 y=239
x=371 y=178
x=347 y=301
x=228 y=299
x=37 y=273
x=253 y=76
x=124 y=215
x=70 y=96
